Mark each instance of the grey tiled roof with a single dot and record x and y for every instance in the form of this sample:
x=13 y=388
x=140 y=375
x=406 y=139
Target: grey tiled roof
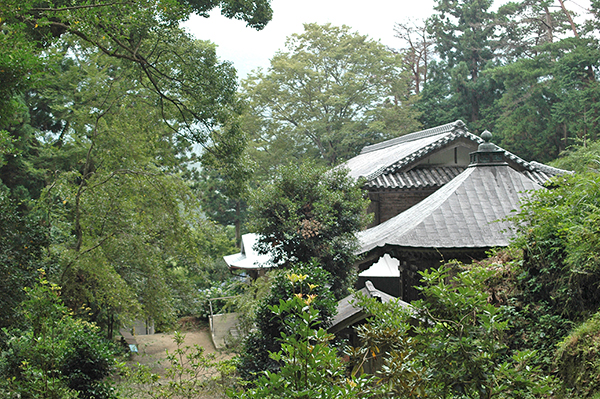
x=464 y=213
x=393 y=156
x=416 y=178
x=348 y=313
x=437 y=176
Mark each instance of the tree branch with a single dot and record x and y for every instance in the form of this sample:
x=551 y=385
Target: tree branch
x=49 y=9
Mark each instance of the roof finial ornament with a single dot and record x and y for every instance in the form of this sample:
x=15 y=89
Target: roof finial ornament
x=486 y=145
x=487 y=153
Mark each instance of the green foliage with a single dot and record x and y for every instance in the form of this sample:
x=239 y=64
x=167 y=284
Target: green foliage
x=557 y=277
x=450 y=344
x=310 y=213
x=101 y=106
x=462 y=339
x=117 y=29
x=465 y=34
x=578 y=359
x=310 y=367
x=223 y=184
x=534 y=326
x=23 y=242
x=581 y=158
x=558 y=229
x=551 y=99
x=515 y=71
x=199 y=267
x=189 y=373
x=123 y=221
x=249 y=298
x=57 y=356
x=325 y=98
x=309 y=279
x=387 y=350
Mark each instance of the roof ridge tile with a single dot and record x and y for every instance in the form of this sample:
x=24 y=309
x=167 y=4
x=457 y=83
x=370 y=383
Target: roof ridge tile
x=448 y=127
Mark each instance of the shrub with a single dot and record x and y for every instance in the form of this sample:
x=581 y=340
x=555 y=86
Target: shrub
x=58 y=356
x=309 y=365
x=578 y=359
x=268 y=328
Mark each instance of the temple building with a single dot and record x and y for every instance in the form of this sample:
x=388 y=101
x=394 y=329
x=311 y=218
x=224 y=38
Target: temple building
x=444 y=195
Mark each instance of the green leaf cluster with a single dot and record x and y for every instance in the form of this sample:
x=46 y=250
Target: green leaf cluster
x=331 y=93
x=450 y=344
x=304 y=280
x=558 y=230
x=309 y=364
x=23 y=242
x=56 y=355
x=309 y=212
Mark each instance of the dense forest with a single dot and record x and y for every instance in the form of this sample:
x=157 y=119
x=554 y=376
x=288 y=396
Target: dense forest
x=132 y=160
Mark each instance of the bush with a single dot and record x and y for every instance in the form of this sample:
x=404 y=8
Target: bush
x=87 y=360
x=58 y=356
x=451 y=344
x=578 y=359
x=558 y=230
x=268 y=328
x=311 y=213
x=309 y=365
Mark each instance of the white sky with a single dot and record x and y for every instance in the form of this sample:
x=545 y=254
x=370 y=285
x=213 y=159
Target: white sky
x=249 y=49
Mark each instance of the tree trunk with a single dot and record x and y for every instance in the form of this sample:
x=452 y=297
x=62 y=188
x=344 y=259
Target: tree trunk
x=238 y=223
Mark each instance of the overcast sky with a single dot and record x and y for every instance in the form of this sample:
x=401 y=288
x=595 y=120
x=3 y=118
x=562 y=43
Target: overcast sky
x=249 y=49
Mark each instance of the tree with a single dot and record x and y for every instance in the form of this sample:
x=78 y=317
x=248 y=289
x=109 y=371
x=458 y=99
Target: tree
x=101 y=105
x=224 y=181
x=527 y=25
x=417 y=52
x=319 y=97
x=24 y=241
x=194 y=91
x=127 y=31
x=220 y=203
x=117 y=200
x=551 y=99
x=465 y=34
x=310 y=213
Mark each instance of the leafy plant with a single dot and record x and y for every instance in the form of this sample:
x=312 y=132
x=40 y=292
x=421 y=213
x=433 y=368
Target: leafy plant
x=450 y=344
x=264 y=339
x=310 y=367
x=558 y=230
x=311 y=213
x=578 y=360
x=58 y=356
